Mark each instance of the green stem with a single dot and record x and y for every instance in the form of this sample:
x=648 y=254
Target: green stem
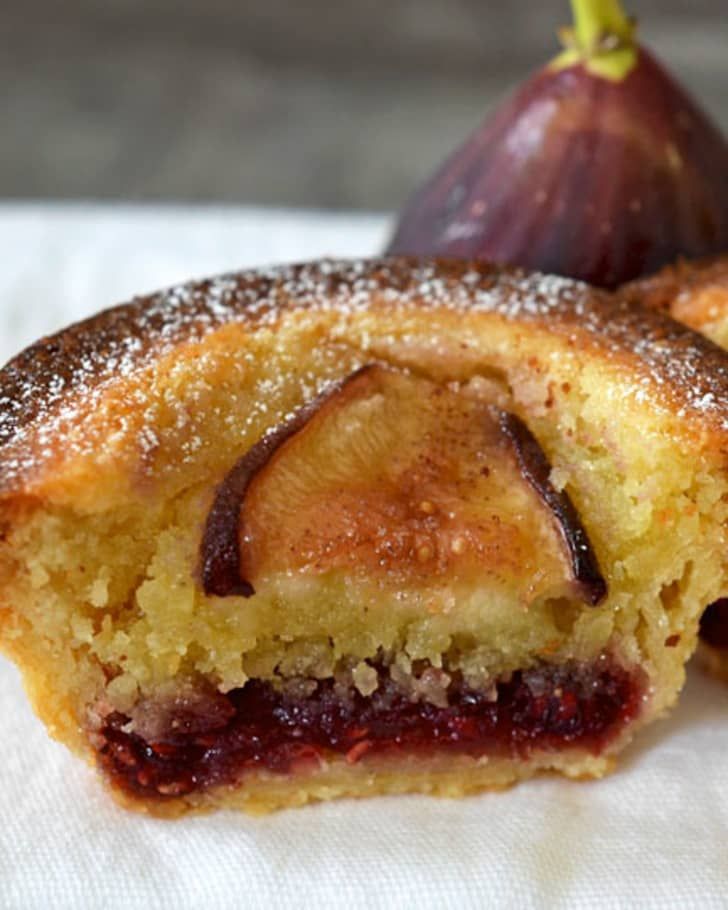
x=602 y=39
x=595 y=20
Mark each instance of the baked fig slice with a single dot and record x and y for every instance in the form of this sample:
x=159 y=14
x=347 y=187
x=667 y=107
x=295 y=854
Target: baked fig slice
x=221 y=570
x=391 y=476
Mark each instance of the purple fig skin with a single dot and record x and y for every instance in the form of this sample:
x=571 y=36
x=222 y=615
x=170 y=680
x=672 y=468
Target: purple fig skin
x=536 y=470
x=220 y=567
x=581 y=176
x=220 y=557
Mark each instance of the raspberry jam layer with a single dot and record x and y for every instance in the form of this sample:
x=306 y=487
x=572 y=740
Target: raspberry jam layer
x=221 y=737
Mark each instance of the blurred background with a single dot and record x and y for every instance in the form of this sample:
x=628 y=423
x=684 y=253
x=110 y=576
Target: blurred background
x=315 y=103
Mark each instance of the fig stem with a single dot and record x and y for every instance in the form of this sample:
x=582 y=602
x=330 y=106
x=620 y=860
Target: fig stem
x=602 y=39
x=596 y=21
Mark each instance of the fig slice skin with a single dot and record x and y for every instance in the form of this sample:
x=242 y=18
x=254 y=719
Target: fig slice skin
x=439 y=493
x=602 y=178
x=536 y=469
x=220 y=563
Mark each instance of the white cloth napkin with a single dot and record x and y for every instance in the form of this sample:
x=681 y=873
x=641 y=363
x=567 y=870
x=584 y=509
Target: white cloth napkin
x=655 y=834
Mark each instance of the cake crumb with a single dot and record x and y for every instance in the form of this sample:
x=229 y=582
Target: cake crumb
x=365 y=678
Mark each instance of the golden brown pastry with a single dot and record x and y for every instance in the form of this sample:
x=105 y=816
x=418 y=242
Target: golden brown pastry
x=696 y=293
x=358 y=528
x=692 y=291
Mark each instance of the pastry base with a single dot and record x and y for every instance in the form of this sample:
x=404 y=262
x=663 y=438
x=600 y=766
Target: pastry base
x=263 y=792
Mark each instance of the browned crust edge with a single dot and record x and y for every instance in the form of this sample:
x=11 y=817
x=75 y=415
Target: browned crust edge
x=74 y=362
x=686 y=276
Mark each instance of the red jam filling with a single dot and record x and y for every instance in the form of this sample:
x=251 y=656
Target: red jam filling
x=257 y=727
x=714 y=624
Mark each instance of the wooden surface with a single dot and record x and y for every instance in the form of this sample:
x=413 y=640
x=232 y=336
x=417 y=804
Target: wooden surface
x=284 y=102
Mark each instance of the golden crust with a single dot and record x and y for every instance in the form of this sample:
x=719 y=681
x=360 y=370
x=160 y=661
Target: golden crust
x=60 y=382
x=692 y=292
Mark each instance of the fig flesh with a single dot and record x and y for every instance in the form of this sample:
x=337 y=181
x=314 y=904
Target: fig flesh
x=395 y=478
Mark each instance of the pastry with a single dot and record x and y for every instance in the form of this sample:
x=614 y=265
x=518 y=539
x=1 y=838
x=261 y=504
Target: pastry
x=696 y=293
x=358 y=528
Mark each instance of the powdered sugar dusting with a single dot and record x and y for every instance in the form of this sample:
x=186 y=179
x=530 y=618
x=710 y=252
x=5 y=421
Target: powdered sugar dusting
x=54 y=383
